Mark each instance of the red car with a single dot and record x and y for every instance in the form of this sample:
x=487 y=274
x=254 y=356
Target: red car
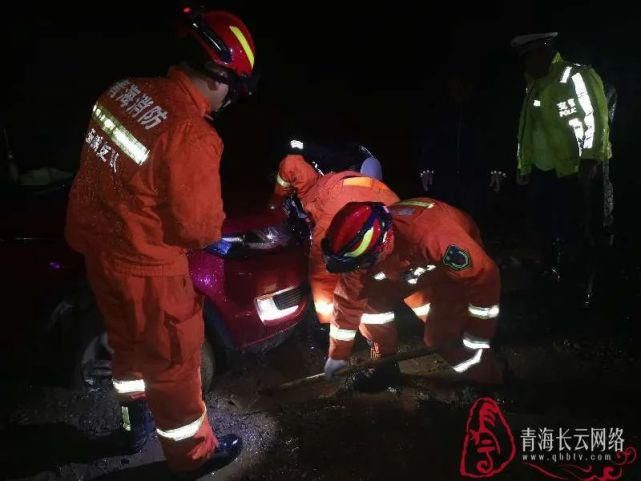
x=253 y=282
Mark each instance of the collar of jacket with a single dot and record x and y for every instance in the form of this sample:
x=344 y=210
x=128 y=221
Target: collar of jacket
x=555 y=69
x=181 y=78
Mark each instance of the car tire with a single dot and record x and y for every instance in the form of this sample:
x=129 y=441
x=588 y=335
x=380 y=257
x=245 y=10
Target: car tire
x=90 y=345
x=93 y=366
x=89 y=364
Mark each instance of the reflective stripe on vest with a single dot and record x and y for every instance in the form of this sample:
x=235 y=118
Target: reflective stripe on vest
x=586 y=104
x=367 y=182
x=416 y=203
x=116 y=131
x=358 y=182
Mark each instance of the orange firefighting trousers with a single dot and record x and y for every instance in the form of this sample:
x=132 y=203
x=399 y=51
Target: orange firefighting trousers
x=156 y=329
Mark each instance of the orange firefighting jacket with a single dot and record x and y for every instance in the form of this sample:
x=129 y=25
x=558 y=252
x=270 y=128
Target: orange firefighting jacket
x=324 y=195
x=432 y=243
x=148 y=188
x=295 y=174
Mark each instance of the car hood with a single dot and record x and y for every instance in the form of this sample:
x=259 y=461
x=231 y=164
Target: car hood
x=245 y=205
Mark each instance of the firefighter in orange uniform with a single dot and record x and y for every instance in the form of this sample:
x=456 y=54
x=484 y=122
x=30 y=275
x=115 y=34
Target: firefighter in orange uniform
x=427 y=254
x=321 y=197
x=148 y=189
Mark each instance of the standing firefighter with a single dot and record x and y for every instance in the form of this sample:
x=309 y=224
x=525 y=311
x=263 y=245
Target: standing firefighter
x=148 y=189
x=322 y=196
x=563 y=153
x=430 y=256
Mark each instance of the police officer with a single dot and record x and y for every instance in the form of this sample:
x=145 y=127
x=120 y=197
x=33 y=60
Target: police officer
x=563 y=152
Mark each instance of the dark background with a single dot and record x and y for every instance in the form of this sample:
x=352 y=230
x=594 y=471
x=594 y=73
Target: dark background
x=335 y=70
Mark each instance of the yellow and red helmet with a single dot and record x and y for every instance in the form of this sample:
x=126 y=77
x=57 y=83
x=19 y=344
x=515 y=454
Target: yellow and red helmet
x=224 y=37
x=357 y=236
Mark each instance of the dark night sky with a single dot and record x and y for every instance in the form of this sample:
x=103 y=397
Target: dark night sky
x=351 y=70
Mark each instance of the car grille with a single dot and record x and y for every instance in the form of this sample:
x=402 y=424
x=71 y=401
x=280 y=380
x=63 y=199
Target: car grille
x=289 y=298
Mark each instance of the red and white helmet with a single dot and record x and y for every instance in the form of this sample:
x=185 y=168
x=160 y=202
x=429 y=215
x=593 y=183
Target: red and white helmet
x=224 y=37
x=357 y=236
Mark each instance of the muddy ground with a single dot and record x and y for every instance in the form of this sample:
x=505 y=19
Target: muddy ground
x=567 y=367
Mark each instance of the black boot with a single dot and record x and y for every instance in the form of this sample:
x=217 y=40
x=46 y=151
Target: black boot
x=229 y=448
x=137 y=425
x=377 y=379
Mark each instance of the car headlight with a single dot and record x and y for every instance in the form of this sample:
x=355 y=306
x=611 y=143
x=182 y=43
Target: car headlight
x=264 y=240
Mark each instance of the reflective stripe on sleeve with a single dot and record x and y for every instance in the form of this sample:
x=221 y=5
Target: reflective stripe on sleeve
x=282 y=182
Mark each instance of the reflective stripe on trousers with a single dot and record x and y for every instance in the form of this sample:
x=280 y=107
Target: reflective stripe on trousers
x=473 y=343
x=341 y=334
x=423 y=310
x=465 y=365
x=380 y=318
x=483 y=312
x=129 y=387
x=183 y=432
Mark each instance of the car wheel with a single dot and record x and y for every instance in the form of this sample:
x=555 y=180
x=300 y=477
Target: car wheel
x=92 y=359
x=89 y=366
x=94 y=368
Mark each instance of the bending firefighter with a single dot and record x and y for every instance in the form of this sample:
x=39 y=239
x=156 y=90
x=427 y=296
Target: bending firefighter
x=322 y=196
x=428 y=255
x=148 y=189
